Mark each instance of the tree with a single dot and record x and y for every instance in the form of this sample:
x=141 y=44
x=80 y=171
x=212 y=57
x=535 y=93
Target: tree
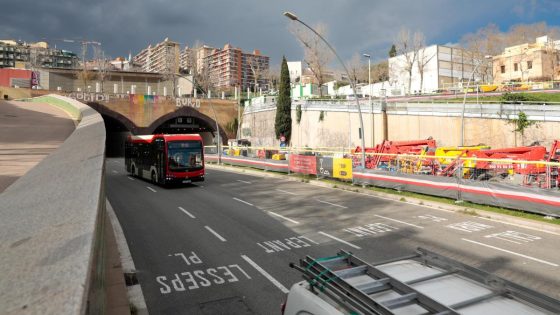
x=283 y=121
x=393 y=51
x=101 y=64
x=272 y=75
x=171 y=64
x=408 y=46
x=423 y=59
x=317 y=54
x=257 y=69
x=553 y=56
x=357 y=69
x=489 y=40
x=520 y=124
x=380 y=72
x=199 y=68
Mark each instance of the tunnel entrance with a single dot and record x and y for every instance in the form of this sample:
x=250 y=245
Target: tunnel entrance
x=116 y=134
x=188 y=124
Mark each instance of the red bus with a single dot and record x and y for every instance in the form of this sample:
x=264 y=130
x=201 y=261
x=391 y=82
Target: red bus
x=165 y=158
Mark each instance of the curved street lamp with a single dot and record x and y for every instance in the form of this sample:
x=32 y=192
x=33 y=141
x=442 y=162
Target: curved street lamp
x=293 y=17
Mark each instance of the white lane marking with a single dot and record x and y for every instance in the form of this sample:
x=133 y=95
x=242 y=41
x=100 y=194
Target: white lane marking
x=215 y=233
x=187 y=213
x=130 y=178
x=287 y=192
x=245 y=202
x=150 y=188
x=514 y=237
x=115 y=172
x=340 y=240
x=510 y=252
x=332 y=204
x=520 y=226
x=283 y=217
x=414 y=225
x=265 y=274
x=452 y=211
x=244 y=181
x=505 y=239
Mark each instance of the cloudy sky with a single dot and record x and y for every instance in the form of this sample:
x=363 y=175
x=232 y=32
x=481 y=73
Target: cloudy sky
x=354 y=26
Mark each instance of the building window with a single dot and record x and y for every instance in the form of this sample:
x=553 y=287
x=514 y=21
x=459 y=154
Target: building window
x=529 y=65
x=515 y=67
x=503 y=69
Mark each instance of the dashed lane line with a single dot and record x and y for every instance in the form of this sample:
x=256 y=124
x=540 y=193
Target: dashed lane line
x=340 y=240
x=130 y=178
x=332 y=204
x=150 y=188
x=265 y=274
x=287 y=192
x=243 y=201
x=402 y=222
x=215 y=233
x=244 y=181
x=187 y=213
x=283 y=217
x=510 y=252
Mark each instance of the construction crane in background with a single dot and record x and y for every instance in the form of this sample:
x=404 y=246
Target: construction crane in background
x=84 y=75
x=83 y=42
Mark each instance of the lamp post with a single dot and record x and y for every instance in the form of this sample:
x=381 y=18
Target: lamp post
x=293 y=17
x=370 y=103
x=465 y=99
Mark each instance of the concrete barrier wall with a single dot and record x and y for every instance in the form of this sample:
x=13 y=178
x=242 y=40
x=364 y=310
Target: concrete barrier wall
x=51 y=222
x=340 y=127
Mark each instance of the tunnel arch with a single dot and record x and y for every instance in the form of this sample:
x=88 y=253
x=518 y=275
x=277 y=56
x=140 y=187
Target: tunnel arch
x=188 y=112
x=104 y=111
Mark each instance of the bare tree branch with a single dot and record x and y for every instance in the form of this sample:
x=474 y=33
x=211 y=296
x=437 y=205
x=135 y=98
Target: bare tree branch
x=317 y=55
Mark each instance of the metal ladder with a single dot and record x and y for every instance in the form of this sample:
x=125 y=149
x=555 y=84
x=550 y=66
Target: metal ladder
x=351 y=282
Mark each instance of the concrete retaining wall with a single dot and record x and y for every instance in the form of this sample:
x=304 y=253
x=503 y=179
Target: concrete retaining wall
x=51 y=227
x=340 y=124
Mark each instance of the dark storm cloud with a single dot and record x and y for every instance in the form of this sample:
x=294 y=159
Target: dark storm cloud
x=353 y=26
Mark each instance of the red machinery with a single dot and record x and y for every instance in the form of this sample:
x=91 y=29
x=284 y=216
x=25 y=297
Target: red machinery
x=386 y=151
x=534 y=172
x=536 y=153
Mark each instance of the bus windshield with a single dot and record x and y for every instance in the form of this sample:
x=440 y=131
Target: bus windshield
x=184 y=155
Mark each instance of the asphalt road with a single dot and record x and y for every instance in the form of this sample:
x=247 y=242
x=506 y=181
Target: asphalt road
x=223 y=246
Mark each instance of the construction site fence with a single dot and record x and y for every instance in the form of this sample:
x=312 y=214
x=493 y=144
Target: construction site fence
x=531 y=186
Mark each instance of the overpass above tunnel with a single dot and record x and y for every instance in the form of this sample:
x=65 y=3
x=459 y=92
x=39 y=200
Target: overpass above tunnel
x=150 y=114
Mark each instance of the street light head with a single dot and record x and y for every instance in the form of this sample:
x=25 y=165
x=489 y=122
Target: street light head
x=367 y=56
x=291 y=16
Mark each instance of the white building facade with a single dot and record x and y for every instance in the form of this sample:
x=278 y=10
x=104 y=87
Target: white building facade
x=444 y=68
x=296 y=70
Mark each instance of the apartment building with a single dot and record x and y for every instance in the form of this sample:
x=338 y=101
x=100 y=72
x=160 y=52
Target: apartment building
x=231 y=67
x=161 y=58
x=15 y=54
x=539 y=61
x=441 y=68
x=192 y=59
